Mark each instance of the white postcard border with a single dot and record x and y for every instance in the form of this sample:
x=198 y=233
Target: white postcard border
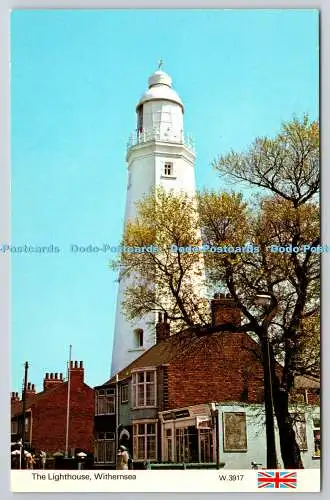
x=5 y=6
x=169 y=481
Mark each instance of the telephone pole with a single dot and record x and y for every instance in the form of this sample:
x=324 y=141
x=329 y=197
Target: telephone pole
x=26 y=368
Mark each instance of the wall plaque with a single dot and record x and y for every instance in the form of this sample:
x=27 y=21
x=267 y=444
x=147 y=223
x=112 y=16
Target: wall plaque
x=234 y=431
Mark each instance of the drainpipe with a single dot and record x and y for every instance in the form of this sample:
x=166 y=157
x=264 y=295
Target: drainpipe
x=117 y=416
x=216 y=427
x=217 y=438
x=31 y=422
x=68 y=406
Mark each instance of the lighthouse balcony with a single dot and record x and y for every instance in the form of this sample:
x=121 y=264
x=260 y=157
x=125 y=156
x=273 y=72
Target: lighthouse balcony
x=141 y=137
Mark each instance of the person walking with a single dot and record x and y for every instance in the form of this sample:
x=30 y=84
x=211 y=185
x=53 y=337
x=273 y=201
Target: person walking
x=122 y=458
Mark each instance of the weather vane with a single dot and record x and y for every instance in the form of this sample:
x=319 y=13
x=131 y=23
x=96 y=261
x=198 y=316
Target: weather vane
x=160 y=64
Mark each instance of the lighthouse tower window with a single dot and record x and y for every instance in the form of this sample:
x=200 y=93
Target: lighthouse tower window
x=138 y=334
x=168 y=169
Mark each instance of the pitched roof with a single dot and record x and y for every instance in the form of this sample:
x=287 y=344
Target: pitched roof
x=162 y=353
x=17 y=406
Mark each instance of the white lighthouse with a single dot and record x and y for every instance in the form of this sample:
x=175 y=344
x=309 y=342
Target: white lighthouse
x=158 y=154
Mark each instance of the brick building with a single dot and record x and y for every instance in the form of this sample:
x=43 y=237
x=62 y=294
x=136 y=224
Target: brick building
x=46 y=413
x=180 y=370
x=163 y=404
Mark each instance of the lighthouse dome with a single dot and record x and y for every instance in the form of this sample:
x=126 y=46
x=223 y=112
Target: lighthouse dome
x=160 y=77
x=160 y=88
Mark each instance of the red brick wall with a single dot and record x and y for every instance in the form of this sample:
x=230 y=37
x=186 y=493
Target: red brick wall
x=215 y=368
x=49 y=418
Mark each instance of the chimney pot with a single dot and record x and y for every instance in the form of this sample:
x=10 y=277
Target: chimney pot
x=51 y=376
x=33 y=387
x=76 y=364
x=47 y=376
x=61 y=376
x=16 y=394
x=56 y=375
x=81 y=364
x=12 y=394
x=71 y=364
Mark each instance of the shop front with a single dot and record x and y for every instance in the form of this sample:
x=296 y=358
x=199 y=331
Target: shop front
x=188 y=435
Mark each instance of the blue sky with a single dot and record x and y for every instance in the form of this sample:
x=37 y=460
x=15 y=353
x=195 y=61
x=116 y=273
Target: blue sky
x=76 y=76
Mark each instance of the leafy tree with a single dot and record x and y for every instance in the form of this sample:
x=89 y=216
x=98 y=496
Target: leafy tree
x=288 y=168
x=284 y=213
x=162 y=280
x=291 y=280
x=287 y=165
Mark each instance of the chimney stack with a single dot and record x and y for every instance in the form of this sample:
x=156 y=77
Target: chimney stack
x=14 y=397
x=162 y=328
x=77 y=372
x=30 y=389
x=224 y=310
x=52 y=380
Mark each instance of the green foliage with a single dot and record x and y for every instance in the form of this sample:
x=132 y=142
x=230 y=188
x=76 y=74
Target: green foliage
x=286 y=168
x=163 y=280
x=287 y=165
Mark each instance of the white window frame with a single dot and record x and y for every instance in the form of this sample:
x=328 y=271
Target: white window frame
x=137 y=387
x=168 y=165
x=14 y=427
x=169 y=444
x=138 y=335
x=103 y=441
x=105 y=402
x=207 y=444
x=124 y=400
x=316 y=429
x=137 y=437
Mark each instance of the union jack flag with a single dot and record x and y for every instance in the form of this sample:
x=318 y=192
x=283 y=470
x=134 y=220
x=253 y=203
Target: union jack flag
x=277 y=479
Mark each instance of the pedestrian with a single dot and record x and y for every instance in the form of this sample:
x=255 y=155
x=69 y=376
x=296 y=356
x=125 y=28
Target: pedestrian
x=43 y=457
x=30 y=462
x=122 y=458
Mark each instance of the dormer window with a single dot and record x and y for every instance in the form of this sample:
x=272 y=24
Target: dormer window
x=168 y=169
